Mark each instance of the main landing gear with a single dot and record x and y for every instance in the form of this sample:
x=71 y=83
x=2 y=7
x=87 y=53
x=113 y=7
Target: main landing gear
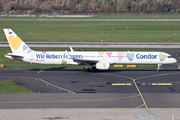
x=87 y=69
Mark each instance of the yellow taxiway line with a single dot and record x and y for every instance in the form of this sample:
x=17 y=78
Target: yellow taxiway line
x=39 y=71
x=121 y=83
x=161 y=83
x=142 y=84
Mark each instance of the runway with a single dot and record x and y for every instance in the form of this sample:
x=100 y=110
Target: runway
x=98 y=44
x=91 y=19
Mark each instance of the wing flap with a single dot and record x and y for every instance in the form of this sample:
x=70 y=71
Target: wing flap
x=85 y=61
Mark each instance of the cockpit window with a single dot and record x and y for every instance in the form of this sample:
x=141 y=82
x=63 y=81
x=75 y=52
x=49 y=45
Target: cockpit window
x=169 y=57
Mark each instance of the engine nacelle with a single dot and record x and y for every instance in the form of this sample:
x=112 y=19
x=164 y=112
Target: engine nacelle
x=102 y=65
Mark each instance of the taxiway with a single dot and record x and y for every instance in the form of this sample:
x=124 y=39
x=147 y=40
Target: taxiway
x=64 y=88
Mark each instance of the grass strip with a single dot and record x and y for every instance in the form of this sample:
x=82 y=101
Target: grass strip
x=94 y=31
x=10 y=87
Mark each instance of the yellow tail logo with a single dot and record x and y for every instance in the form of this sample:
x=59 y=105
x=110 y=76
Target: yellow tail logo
x=15 y=42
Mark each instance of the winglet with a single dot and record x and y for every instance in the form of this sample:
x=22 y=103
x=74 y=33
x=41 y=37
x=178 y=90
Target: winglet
x=71 y=49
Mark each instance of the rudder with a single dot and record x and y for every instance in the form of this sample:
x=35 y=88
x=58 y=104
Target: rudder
x=15 y=43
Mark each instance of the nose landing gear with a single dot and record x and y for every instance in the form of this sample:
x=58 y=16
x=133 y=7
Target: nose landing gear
x=159 y=66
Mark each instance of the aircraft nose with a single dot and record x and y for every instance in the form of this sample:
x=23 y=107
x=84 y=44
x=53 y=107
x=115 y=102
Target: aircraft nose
x=174 y=60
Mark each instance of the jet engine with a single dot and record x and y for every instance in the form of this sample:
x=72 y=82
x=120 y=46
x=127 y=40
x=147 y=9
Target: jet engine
x=102 y=65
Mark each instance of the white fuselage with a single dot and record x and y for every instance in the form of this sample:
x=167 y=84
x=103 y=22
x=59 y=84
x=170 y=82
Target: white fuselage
x=122 y=57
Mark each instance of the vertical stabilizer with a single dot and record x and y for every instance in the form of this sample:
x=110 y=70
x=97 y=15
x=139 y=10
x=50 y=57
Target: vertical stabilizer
x=15 y=43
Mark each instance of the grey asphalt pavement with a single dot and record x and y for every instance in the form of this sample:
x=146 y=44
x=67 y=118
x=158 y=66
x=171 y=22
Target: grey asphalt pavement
x=98 y=44
x=71 y=88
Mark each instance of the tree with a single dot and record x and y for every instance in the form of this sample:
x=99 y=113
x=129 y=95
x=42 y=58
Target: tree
x=134 y=7
x=6 y=8
x=1 y=6
x=84 y=5
x=118 y=7
x=178 y=11
x=126 y=4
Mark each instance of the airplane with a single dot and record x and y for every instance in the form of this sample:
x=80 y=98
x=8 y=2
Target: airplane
x=97 y=59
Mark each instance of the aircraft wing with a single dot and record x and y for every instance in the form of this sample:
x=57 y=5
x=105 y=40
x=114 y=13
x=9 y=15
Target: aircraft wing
x=81 y=61
x=85 y=61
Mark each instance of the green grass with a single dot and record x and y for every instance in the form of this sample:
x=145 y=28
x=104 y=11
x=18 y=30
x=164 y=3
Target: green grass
x=130 y=16
x=95 y=31
x=10 y=87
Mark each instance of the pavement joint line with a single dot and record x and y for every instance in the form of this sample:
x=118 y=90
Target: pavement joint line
x=23 y=114
x=4 y=114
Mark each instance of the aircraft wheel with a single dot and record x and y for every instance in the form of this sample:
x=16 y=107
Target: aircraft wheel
x=86 y=70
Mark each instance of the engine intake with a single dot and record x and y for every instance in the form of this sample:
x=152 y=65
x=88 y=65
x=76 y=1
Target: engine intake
x=102 y=65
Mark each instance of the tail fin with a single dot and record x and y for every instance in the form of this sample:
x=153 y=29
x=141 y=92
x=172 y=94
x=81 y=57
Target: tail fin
x=15 y=43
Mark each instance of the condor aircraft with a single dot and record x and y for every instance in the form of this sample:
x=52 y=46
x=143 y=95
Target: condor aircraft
x=98 y=59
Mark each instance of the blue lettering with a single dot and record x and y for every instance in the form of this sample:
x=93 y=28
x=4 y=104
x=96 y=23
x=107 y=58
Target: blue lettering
x=64 y=56
x=48 y=56
x=80 y=56
x=53 y=56
x=37 y=56
x=59 y=56
x=76 y=56
x=40 y=56
x=137 y=56
x=140 y=56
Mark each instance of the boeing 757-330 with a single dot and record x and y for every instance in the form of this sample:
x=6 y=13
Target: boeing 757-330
x=98 y=59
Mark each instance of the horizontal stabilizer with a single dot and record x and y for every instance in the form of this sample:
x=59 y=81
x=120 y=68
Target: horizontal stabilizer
x=14 y=55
